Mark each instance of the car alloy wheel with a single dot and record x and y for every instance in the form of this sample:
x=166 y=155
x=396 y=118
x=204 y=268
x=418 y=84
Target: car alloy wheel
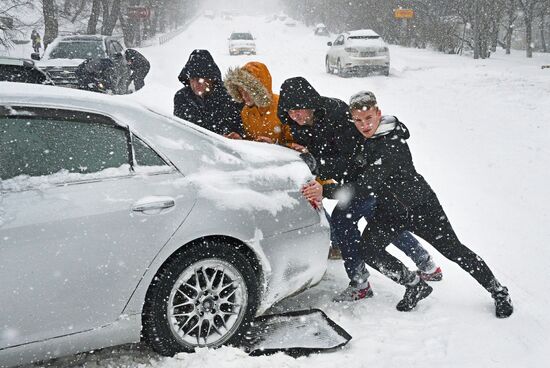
x=204 y=296
x=207 y=303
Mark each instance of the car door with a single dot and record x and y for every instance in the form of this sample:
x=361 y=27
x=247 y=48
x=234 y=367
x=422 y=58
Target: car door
x=336 y=49
x=84 y=208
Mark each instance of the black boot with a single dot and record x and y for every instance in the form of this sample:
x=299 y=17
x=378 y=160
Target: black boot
x=413 y=295
x=503 y=302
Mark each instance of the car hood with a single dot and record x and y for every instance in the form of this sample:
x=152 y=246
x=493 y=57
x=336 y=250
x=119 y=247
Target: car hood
x=45 y=63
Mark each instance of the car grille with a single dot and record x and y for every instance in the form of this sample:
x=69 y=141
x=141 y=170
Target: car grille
x=63 y=76
x=367 y=53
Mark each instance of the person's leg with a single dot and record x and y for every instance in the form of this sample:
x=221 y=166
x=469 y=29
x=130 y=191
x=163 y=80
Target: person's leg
x=346 y=235
x=431 y=223
x=412 y=248
x=139 y=82
x=379 y=233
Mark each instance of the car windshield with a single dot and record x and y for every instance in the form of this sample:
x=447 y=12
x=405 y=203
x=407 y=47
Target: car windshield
x=241 y=36
x=78 y=50
x=363 y=37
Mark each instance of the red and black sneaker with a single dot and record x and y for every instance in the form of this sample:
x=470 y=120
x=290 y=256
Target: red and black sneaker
x=437 y=275
x=354 y=292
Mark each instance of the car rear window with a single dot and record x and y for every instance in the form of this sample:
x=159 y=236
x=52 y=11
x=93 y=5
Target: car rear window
x=24 y=74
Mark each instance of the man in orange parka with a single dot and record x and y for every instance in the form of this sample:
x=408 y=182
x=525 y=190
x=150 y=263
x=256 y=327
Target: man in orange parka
x=251 y=85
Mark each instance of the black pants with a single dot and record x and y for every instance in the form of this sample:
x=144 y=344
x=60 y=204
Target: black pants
x=139 y=81
x=428 y=221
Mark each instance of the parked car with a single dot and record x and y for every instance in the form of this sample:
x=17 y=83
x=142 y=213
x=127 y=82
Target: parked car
x=119 y=224
x=321 y=30
x=65 y=54
x=22 y=70
x=358 y=52
x=242 y=43
x=290 y=23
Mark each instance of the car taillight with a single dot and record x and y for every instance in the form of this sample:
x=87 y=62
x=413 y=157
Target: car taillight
x=351 y=50
x=383 y=49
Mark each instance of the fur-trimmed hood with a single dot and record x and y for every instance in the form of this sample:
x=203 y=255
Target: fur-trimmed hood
x=253 y=77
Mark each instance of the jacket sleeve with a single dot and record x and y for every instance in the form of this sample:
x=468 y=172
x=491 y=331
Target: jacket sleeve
x=180 y=106
x=235 y=122
x=388 y=158
x=286 y=135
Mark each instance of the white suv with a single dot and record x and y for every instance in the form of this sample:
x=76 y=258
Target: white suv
x=242 y=43
x=358 y=52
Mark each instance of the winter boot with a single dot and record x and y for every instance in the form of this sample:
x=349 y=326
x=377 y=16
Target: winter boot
x=428 y=271
x=503 y=302
x=354 y=292
x=415 y=292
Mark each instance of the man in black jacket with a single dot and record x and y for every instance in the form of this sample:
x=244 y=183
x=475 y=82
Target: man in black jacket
x=139 y=67
x=322 y=126
x=382 y=164
x=203 y=100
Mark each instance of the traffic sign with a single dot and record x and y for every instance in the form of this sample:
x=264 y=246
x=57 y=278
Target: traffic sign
x=403 y=13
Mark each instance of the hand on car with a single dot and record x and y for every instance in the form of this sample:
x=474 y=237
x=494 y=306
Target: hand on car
x=265 y=139
x=313 y=191
x=233 y=135
x=299 y=148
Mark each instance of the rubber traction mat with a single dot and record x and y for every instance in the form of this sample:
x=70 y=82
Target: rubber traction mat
x=295 y=333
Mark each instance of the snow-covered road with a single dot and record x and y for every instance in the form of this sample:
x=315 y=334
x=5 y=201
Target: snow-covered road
x=479 y=134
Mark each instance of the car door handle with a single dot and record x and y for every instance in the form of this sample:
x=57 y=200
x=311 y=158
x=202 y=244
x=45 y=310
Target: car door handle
x=153 y=203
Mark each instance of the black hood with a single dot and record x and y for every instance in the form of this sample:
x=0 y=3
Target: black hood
x=200 y=65
x=296 y=93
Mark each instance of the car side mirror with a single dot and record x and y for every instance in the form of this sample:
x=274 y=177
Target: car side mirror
x=35 y=56
x=329 y=43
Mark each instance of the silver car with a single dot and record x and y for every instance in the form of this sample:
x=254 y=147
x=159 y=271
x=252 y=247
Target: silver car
x=242 y=43
x=119 y=224
x=358 y=52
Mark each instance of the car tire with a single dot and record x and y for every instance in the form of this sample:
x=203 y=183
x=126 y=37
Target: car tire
x=327 y=66
x=204 y=296
x=341 y=72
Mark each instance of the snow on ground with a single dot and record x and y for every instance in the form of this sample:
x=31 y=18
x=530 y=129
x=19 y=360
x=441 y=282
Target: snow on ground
x=479 y=133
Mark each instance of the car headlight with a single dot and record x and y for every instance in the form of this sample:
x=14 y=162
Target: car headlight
x=351 y=50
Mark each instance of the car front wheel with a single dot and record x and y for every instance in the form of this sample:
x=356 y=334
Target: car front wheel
x=205 y=296
x=327 y=66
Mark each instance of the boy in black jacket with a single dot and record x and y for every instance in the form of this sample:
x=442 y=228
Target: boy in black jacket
x=382 y=164
x=322 y=126
x=203 y=100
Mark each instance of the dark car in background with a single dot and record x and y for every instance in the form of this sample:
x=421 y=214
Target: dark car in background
x=22 y=70
x=65 y=54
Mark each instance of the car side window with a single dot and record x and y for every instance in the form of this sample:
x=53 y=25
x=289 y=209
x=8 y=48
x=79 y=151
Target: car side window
x=340 y=40
x=42 y=142
x=145 y=156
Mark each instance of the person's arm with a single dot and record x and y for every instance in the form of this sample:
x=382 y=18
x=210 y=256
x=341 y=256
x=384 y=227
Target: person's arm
x=389 y=157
